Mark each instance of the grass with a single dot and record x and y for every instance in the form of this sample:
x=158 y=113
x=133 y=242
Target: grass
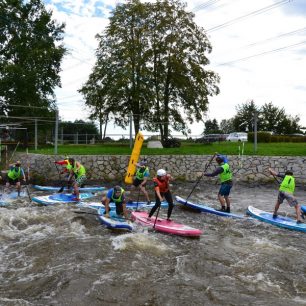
x=187 y=148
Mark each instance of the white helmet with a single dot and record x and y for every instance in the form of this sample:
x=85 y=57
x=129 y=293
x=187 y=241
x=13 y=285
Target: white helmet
x=161 y=172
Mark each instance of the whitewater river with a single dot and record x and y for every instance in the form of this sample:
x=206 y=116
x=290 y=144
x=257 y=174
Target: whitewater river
x=53 y=256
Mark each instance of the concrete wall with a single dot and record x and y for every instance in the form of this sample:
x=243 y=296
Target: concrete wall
x=107 y=168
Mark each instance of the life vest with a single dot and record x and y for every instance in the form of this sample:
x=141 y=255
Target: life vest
x=226 y=175
x=68 y=165
x=162 y=185
x=13 y=174
x=140 y=172
x=79 y=172
x=288 y=184
x=117 y=200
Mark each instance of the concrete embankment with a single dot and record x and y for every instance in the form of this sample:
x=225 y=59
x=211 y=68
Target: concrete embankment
x=106 y=168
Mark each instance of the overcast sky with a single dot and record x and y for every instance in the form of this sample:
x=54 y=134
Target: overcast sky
x=258 y=50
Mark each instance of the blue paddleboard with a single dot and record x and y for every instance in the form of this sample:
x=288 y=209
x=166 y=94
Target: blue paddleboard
x=58 y=198
x=114 y=221
x=82 y=189
x=206 y=209
x=280 y=221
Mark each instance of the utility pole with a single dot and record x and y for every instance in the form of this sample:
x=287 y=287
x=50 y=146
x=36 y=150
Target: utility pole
x=56 y=132
x=35 y=134
x=255 y=132
x=131 y=130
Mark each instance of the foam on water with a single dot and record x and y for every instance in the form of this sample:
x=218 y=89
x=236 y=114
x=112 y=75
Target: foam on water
x=139 y=242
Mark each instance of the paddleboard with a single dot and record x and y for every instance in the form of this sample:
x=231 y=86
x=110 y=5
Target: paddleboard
x=129 y=205
x=82 y=189
x=165 y=226
x=114 y=221
x=206 y=209
x=280 y=221
x=60 y=198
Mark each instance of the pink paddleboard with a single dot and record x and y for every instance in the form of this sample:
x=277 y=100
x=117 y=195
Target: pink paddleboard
x=165 y=226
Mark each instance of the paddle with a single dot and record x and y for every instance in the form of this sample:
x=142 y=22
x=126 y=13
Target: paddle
x=28 y=166
x=85 y=212
x=156 y=215
x=138 y=200
x=198 y=181
x=28 y=192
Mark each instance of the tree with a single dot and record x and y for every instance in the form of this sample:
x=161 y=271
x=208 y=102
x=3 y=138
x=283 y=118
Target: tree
x=30 y=57
x=227 y=126
x=244 y=119
x=274 y=119
x=270 y=118
x=211 y=127
x=150 y=63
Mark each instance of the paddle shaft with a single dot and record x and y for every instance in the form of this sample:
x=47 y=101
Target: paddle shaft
x=156 y=215
x=198 y=181
x=85 y=212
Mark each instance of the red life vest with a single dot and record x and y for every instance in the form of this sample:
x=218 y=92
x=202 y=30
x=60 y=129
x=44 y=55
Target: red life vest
x=163 y=186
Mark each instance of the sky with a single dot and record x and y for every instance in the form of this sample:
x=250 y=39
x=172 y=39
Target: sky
x=259 y=52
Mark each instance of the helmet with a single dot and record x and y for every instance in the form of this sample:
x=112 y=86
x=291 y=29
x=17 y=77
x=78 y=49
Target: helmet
x=161 y=172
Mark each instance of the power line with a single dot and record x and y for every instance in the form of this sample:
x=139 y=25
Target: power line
x=254 y=13
x=262 y=53
x=204 y=5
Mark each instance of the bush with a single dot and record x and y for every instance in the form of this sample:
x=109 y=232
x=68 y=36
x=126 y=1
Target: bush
x=267 y=137
x=171 y=143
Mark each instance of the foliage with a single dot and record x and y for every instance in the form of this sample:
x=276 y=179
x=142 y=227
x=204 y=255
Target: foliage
x=150 y=63
x=30 y=58
x=171 y=143
x=78 y=126
x=244 y=119
x=211 y=127
x=227 y=126
x=270 y=118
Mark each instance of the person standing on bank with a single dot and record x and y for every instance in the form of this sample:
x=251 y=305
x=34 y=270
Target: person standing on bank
x=78 y=177
x=286 y=191
x=14 y=174
x=161 y=188
x=117 y=196
x=141 y=177
x=225 y=176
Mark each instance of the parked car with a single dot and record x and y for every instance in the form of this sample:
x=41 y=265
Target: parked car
x=208 y=138
x=237 y=136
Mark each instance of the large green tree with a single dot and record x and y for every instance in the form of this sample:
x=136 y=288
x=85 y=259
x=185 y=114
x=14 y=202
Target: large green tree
x=151 y=64
x=30 y=57
x=270 y=118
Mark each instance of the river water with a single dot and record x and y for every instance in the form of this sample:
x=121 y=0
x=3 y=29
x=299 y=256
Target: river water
x=53 y=256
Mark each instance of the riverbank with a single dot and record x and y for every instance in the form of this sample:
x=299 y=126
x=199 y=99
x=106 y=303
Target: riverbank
x=109 y=168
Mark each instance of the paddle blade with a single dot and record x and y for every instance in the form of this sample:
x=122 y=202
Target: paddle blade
x=61 y=189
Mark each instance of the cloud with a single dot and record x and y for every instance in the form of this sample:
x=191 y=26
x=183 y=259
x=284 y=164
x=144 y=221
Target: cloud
x=258 y=51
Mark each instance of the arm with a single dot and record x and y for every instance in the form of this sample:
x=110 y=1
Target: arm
x=215 y=173
x=22 y=173
x=274 y=173
x=125 y=212
x=158 y=193
x=106 y=203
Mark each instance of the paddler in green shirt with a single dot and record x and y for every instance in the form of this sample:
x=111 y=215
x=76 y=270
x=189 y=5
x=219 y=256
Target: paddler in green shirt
x=77 y=175
x=286 y=191
x=225 y=176
x=14 y=175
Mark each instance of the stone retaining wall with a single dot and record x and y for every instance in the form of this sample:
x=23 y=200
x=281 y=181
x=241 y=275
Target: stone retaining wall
x=106 y=168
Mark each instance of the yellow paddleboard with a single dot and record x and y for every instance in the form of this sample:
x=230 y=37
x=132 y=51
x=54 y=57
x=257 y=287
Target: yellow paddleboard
x=134 y=158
